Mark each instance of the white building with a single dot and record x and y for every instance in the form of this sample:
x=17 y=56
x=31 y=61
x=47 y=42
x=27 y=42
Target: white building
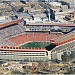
x=10 y=53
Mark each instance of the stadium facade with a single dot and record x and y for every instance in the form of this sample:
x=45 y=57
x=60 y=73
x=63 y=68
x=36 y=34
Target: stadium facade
x=15 y=30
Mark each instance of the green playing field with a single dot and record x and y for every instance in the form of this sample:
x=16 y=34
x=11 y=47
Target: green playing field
x=36 y=44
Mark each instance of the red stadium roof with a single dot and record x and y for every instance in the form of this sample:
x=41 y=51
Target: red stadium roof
x=10 y=23
x=63 y=42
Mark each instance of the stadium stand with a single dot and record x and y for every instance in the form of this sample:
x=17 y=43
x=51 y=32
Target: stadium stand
x=35 y=37
x=14 y=34
x=58 y=51
x=9 y=30
x=64 y=39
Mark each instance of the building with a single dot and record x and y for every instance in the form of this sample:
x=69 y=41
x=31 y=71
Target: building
x=66 y=43
x=58 y=46
x=15 y=53
x=72 y=3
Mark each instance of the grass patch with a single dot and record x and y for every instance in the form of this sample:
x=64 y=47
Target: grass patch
x=36 y=44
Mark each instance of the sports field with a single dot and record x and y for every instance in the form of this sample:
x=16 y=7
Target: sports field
x=36 y=44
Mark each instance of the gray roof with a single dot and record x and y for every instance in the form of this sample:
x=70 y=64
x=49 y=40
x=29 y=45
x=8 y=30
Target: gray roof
x=22 y=14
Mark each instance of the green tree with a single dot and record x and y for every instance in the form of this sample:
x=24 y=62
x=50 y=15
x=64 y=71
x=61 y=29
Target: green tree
x=21 y=9
x=65 y=57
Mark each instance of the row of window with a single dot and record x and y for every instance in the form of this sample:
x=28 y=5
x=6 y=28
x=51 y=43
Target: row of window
x=21 y=53
x=37 y=26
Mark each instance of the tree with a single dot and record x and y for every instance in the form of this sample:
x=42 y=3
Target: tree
x=65 y=57
x=21 y=9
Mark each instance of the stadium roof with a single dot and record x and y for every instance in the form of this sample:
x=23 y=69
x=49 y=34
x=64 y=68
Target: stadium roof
x=51 y=24
x=9 y=23
x=63 y=39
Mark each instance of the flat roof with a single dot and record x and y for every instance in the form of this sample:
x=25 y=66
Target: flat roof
x=50 y=24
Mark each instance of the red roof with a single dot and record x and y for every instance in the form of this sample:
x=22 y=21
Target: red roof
x=60 y=43
x=10 y=23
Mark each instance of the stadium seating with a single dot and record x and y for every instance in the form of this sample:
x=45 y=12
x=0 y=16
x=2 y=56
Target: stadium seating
x=16 y=35
x=35 y=37
x=12 y=30
x=65 y=38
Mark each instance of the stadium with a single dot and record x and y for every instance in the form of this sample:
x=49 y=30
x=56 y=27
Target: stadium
x=14 y=35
